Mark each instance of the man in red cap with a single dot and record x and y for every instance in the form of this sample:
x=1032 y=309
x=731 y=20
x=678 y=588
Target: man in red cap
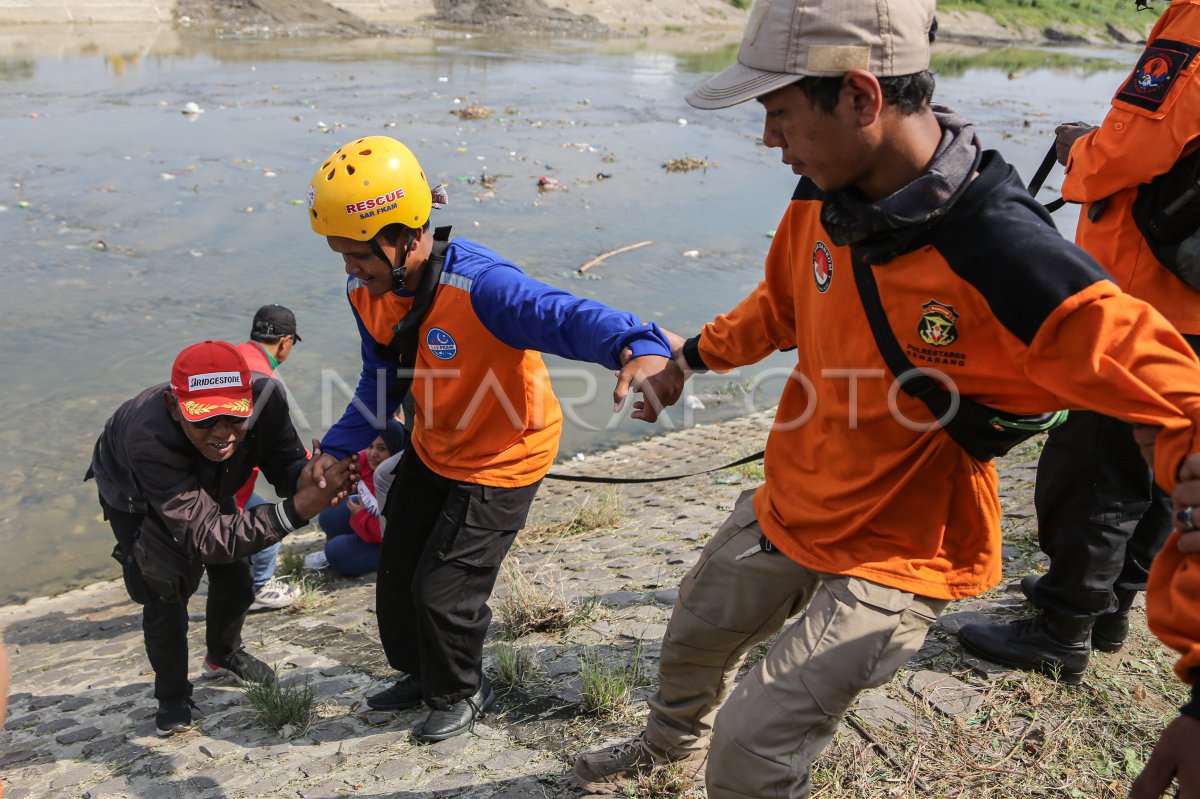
x=167 y=466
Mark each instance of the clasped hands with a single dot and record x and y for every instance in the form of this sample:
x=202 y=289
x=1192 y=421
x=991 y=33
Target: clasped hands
x=658 y=379
x=325 y=482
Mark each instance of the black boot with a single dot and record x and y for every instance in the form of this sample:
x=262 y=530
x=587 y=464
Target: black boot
x=406 y=693
x=1056 y=646
x=459 y=717
x=1027 y=584
x=1109 y=631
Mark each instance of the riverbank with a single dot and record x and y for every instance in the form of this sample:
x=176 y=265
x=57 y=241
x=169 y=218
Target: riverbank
x=607 y=566
x=960 y=20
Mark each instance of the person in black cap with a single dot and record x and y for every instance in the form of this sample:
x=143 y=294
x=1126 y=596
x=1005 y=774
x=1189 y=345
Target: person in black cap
x=272 y=336
x=274 y=329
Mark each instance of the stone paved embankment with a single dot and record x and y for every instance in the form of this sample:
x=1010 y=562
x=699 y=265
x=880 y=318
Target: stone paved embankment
x=81 y=713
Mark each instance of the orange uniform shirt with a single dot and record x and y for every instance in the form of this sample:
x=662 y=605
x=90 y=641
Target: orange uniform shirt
x=1154 y=119
x=995 y=299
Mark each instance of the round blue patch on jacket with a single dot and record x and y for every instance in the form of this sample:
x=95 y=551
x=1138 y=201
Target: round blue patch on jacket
x=441 y=344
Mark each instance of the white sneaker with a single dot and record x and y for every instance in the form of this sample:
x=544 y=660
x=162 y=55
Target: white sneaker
x=274 y=594
x=316 y=561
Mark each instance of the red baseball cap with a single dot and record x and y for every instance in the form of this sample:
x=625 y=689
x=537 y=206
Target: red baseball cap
x=211 y=379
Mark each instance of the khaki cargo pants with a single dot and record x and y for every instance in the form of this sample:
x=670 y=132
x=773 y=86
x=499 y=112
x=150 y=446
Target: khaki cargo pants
x=852 y=635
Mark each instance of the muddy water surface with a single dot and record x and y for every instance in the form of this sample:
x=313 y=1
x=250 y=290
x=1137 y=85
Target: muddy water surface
x=132 y=229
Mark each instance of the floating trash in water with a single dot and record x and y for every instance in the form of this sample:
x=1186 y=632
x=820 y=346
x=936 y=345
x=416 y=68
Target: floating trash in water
x=23 y=203
x=191 y=109
x=771 y=233
x=691 y=253
x=166 y=176
x=681 y=121
x=603 y=175
x=99 y=245
x=547 y=183
x=688 y=163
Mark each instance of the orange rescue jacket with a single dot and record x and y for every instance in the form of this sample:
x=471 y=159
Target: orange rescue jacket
x=1154 y=119
x=993 y=297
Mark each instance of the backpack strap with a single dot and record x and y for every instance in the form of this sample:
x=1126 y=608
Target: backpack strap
x=983 y=432
x=405 y=333
x=1043 y=172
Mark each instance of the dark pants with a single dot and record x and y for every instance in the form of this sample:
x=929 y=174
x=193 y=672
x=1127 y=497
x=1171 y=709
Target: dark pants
x=1101 y=518
x=439 y=561
x=165 y=624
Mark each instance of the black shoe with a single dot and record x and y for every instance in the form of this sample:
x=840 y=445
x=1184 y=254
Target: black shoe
x=1109 y=631
x=1055 y=646
x=241 y=665
x=174 y=715
x=1027 y=584
x=404 y=694
x=459 y=717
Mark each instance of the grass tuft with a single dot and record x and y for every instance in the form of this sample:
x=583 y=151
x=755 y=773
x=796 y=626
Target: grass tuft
x=668 y=781
x=608 y=686
x=287 y=709
x=290 y=562
x=312 y=594
x=602 y=512
x=533 y=606
x=516 y=666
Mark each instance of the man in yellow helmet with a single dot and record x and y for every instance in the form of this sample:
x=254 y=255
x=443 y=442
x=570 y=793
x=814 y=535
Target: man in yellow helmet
x=467 y=328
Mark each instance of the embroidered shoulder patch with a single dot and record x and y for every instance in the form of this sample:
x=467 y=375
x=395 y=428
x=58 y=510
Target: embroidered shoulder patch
x=1156 y=72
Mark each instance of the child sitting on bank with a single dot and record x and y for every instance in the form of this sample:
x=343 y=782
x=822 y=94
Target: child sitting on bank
x=354 y=529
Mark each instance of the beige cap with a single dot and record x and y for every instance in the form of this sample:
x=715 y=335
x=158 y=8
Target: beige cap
x=786 y=40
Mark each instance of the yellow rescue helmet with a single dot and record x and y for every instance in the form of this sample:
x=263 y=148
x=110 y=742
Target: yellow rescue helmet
x=365 y=185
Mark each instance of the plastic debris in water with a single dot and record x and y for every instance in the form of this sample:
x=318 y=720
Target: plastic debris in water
x=547 y=182
x=191 y=110
x=691 y=253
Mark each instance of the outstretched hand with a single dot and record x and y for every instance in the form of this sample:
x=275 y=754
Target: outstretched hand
x=1065 y=136
x=659 y=381
x=1174 y=756
x=1187 y=494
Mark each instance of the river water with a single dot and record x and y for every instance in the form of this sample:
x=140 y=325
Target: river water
x=132 y=229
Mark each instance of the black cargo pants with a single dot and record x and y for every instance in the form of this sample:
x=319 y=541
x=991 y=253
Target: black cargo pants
x=165 y=623
x=439 y=561
x=1101 y=518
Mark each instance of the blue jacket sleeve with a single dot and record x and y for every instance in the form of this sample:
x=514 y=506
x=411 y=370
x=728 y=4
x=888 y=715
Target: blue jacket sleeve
x=530 y=315
x=373 y=403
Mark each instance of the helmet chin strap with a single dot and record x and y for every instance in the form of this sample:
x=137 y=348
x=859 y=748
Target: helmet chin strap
x=398 y=270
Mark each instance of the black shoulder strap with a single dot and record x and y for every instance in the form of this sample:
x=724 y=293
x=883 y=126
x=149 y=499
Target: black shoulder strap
x=405 y=333
x=983 y=432
x=1043 y=171
x=913 y=381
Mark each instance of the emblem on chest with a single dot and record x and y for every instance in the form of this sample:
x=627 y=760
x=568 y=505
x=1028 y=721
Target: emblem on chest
x=938 y=326
x=441 y=344
x=822 y=264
